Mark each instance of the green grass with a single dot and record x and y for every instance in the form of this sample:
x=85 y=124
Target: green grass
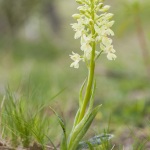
x=21 y=124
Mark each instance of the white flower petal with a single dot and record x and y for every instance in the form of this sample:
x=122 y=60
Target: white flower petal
x=110 y=24
x=77 y=34
x=75 y=57
x=111 y=56
x=109 y=32
x=87 y=55
x=102 y=47
x=75 y=64
x=106 y=41
x=86 y=47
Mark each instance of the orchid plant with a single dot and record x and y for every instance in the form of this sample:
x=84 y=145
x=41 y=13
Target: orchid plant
x=93 y=28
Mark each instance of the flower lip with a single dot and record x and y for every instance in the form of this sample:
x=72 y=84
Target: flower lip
x=76 y=58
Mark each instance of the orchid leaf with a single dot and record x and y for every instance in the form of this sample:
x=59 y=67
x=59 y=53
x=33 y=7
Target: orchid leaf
x=94 y=141
x=81 y=129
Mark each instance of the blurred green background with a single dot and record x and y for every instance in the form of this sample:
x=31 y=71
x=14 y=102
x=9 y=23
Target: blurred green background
x=35 y=42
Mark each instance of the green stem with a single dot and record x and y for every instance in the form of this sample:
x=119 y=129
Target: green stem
x=91 y=70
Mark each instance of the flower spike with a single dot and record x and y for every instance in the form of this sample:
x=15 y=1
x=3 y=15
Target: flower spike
x=83 y=30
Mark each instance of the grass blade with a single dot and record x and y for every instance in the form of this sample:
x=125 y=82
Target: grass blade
x=62 y=124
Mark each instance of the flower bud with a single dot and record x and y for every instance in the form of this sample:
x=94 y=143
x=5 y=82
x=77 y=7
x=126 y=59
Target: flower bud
x=109 y=16
x=100 y=5
x=109 y=24
x=82 y=11
x=91 y=21
x=80 y=8
x=79 y=1
x=105 y=8
x=76 y=16
x=98 y=1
